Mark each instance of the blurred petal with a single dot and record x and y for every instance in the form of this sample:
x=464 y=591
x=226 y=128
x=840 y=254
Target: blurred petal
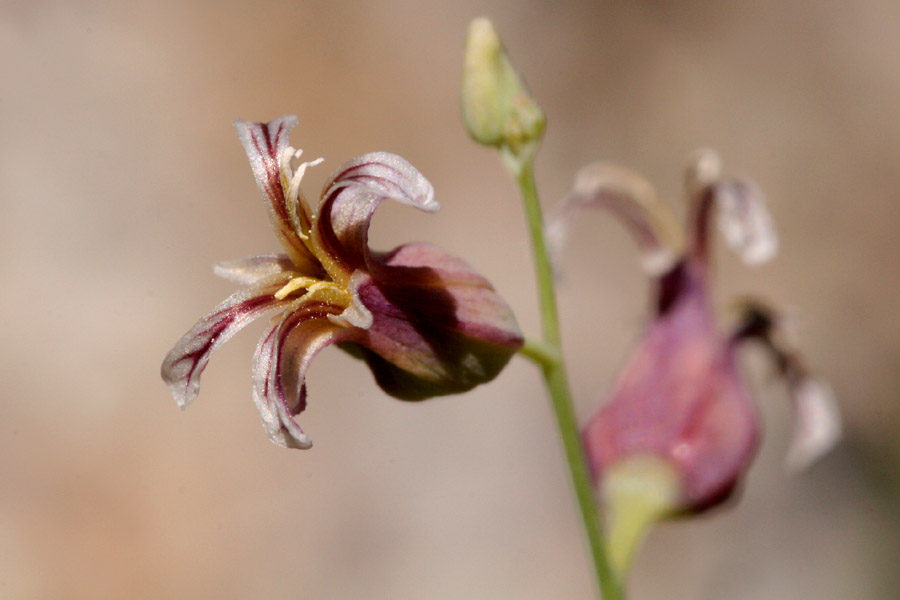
x=817 y=423
x=745 y=221
x=265 y=143
x=282 y=357
x=184 y=363
x=817 y=419
x=632 y=199
x=438 y=327
x=253 y=268
x=743 y=217
x=351 y=196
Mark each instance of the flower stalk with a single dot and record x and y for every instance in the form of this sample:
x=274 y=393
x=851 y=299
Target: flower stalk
x=500 y=112
x=553 y=369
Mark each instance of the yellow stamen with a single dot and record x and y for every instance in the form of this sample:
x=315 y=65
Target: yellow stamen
x=332 y=291
x=295 y=284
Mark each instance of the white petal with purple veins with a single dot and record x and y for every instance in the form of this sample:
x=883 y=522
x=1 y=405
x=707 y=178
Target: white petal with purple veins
x=251 y=269
x=186 y=361
x=282 y=358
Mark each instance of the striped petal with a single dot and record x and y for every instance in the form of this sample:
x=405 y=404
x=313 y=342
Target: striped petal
x=352 y=194
x=251 y=269
x=282 y=358
x=186 y=361
x=265 y=144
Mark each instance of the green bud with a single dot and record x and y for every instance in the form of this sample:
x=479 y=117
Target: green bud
x=496 y=106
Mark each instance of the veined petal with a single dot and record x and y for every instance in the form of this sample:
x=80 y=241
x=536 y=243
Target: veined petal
x=186 y=361
x=630 y=197
x=251 y=269
x=282 y=357
x=265 y=143
x=437 y=326
x=340 y=232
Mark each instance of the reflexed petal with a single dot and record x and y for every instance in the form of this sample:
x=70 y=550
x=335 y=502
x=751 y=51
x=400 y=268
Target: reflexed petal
x=264 y=144
x=253 y=268
x=184 y=363
x=742 y=215
x=630 y=197
x=817 y=420
x=351 y=197
x=438 y=327
x=817 y=423
x=279 y=367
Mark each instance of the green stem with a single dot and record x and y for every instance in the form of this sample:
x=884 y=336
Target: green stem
x=539 y=352
x=548 y=355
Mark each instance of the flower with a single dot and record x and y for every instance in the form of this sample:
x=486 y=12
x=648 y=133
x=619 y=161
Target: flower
x=680 y=428
x=423 y=320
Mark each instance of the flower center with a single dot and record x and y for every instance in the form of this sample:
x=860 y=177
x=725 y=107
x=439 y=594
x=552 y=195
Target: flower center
x=353 y=312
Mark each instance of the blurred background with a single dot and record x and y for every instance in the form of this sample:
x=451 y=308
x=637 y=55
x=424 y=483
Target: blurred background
x=122 y=181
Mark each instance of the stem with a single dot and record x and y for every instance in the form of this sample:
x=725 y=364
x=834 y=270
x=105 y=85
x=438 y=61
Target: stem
x=539 y=352
x=548 y=355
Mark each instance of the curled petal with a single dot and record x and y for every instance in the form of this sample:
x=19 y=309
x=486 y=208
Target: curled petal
x=280 y=363
x=437 y=326
x=817 y=420
x=185 y=362
x=743 y=217
x=265 y=144
x=817 y=423
x=631 y=198
x=350 y=198
x=251 y=269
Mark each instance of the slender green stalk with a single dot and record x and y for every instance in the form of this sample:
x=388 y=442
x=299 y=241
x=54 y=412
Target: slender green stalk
x=543 y=354
x=548 y=355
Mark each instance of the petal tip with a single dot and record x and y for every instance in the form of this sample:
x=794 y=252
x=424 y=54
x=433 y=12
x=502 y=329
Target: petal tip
x=297 y=442
x=817 y=426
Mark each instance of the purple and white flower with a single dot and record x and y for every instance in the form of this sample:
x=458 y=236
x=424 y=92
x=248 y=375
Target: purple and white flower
x=680 y=398
x=423 y=320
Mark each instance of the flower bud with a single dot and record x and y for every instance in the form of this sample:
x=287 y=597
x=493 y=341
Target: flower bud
x=496 y=106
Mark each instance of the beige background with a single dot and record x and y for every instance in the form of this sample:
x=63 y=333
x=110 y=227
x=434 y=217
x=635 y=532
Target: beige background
x=122 y=181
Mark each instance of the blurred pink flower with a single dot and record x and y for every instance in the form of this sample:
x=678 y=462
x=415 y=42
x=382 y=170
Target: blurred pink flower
x=680 y=396
x=423 y=320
